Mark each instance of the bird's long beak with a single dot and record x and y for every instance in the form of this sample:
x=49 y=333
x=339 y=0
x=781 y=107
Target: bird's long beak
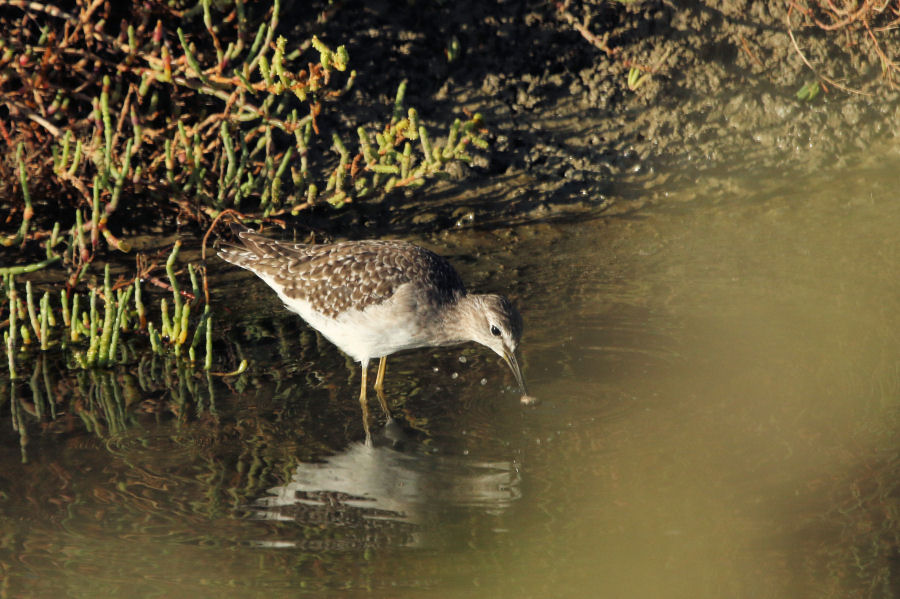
x=510 y=358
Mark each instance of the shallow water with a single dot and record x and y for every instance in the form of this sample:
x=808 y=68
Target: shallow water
x=719 y=379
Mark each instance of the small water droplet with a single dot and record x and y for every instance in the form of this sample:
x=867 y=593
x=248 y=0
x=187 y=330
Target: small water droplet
x=528 y=400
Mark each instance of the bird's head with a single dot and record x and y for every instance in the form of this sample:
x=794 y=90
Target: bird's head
x=493 y=321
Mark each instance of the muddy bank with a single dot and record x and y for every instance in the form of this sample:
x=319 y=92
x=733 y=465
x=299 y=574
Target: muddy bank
x=568 y=133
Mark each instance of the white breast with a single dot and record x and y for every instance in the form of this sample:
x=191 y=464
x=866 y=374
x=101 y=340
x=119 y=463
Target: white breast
x=379 y=330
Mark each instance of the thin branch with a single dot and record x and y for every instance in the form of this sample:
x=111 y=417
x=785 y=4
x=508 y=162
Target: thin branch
x=813 y=69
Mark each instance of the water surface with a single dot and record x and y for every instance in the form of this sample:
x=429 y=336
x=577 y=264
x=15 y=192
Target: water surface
x=720 y=384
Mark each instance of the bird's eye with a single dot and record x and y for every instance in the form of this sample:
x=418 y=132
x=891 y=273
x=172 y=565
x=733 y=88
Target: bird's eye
x=495 y=331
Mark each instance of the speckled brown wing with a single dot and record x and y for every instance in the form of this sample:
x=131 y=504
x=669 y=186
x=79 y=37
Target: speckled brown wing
x=341 y=276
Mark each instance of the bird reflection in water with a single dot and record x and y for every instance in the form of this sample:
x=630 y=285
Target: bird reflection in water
x=378 y=496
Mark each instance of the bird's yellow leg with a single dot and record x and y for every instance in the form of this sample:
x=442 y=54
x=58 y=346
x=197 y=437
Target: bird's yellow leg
x=364 y=404
x=379 y=387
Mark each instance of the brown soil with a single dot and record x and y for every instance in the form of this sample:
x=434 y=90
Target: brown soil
x=567 y=132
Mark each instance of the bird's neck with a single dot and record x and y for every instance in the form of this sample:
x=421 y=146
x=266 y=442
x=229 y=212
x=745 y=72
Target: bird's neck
x=456 y=326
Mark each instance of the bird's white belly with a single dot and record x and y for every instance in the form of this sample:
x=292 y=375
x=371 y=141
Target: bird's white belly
x=379 y=330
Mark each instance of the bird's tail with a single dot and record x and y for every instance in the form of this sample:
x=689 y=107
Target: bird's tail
x=245 y=254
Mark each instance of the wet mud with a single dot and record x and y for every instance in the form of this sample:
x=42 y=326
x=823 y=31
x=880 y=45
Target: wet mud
x=570 y=138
